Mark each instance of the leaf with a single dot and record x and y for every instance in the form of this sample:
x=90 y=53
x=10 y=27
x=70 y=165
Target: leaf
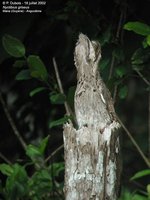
x=40 y=184
x=13 y=46
x=138 y=67
x=57 y=98
x=148 y=189
x=43 y=144
x=148 y=40
x=36 y=90
x=19 y=172
x=23 y=75
x=140 y=58
x=57 y=168
x=144 y=43
x=33 y=151
x=137 y=57
x=16 y=184
x=148 y=89
x=120 y=71
x=59 y=121
x=37 y=68
x=138 y=27
x=139 y=197
x=118 y=53
x=140 y=174
x=104 y=63
x=123 y=92
x=19 y=63
x=125 y=195
x=106 y=36
x=6 y=169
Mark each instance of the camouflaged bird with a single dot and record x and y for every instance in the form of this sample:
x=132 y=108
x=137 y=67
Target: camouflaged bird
x=93 y=103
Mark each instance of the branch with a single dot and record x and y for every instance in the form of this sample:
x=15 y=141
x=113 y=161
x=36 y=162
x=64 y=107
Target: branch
x=53 y=153
x=142 y=77
x=111 y=67
x=67 y=107
x=120 y=24
x=115 y=93
x=145 y=80
x=148 y=83
x=12 y=123
x=5 y=159
x=116 y=38
x=134 y=143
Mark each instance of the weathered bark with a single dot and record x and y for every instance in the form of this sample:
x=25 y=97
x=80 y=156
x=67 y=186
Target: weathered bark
x=92 y=163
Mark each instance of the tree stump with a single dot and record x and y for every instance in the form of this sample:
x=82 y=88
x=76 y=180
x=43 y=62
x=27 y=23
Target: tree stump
x=92 y=161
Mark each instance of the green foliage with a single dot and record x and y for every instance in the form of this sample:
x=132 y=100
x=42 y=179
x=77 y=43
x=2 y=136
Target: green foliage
x=16 y=48
x=39 y=185
x=138 y=27
x=140 y=174
x=37 y=68
x=59 y=122
x=43 y=144
x=139 y=197
x=36 y=153
x=141 y=29
x=33 y=152
x=16 y=183
x=19 y=185
x=104 y=63
x=6 y=169
x=118 y=54
x=13 y=46
x=23 y=75
x=19 y=63
x=120 y=71
x=127 y=195
x=57 y=98
x=140 y=59
x=148 y=190
x=148 y=40
x=57 y=168
x=123 y=92
x=106 y=36
x=36 y=91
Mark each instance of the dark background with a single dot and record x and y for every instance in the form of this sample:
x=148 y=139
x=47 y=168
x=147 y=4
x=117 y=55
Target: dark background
x=53 y=33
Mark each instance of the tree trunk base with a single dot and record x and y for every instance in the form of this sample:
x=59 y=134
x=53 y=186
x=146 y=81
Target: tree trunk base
x=92 y=162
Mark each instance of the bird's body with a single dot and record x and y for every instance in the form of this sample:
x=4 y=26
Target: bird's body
x=93 y=102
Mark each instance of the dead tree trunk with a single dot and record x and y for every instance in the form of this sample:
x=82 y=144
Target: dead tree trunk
x=92 y=167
